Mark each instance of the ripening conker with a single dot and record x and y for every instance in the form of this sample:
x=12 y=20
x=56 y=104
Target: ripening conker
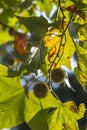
x=58 y=75
x=41 y=90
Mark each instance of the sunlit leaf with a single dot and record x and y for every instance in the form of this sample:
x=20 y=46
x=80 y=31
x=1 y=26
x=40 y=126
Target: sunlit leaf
x=39 y=121
x=12 y=21
x=80 y=48
x=5 y=71
x=60 y=48
x=69 y=50
x=52 y=43
x=55 y=115
x=81 y=69
x=12 y=100
x=18 y=104
x=64 y=117
x=83 y=32
x=78 y=31
x=35 y=105
x=15 y=107
x=4 y=36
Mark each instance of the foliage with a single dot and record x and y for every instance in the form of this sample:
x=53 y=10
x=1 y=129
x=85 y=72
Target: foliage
x=44 y=35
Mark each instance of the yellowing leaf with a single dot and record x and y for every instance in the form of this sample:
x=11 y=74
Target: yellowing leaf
x=64 y=118
x=69 y=50
x=81 y=69
x=60 y=48
x=52 y=37
x=81 y=75
x=80 y=50
x=78 y=112
x=62 y=115
x=83 y=32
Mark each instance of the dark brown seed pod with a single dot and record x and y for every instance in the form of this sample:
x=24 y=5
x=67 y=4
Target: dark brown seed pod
x=58 y=75
x=41 y=90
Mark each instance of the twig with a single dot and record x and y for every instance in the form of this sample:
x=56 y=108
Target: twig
x=58 y=10
x=55 y=95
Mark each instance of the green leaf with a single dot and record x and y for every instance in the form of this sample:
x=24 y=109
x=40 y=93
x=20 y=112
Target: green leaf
x=68 y=52
x=17 y=107
x=5 y=71
x=58 y=116
x=83 y=44
x=80 y=49
x=39 y=121
x=83 y=31
x=82 y=78
x=66 y=3
x=12 y=102
x=35 y=104
x=36 y=25
x=7 y=13
x=11 y=3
